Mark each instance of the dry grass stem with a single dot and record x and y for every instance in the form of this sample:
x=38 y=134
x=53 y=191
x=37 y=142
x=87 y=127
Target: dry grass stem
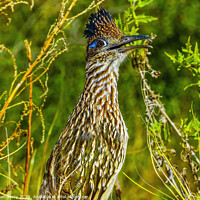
x=16 y=98
x=29 y=121
x=156 y=122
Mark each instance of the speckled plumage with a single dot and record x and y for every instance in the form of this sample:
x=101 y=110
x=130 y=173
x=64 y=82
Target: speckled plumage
x=90 y=152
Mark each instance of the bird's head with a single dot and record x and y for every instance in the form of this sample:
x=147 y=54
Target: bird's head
x=106 y=40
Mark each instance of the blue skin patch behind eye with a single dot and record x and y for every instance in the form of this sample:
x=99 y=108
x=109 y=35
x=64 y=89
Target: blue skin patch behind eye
x=94 y=44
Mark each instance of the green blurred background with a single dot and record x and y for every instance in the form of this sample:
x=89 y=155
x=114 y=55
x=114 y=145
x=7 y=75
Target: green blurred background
x=177 y=19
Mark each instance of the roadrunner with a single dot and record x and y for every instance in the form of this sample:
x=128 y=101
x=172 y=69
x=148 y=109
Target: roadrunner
x=90 y=152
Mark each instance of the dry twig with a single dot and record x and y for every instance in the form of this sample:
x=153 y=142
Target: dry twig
x=156 y=120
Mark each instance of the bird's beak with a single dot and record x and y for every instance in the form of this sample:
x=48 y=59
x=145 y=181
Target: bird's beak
x=129 y=39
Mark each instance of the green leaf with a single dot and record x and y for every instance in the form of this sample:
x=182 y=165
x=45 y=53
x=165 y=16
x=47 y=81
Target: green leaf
x=143 y=3
x=145 y=19
x=171 y=57
x=196 y=52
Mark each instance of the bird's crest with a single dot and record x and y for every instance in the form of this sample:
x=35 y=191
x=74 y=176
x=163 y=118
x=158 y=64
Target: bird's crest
x=101 y=25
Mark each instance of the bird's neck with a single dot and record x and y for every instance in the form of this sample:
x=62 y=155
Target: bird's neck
x=101 y=85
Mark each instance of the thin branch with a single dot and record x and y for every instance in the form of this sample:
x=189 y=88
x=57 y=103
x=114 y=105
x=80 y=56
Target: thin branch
x=162 y=110
x=9 y=179
x=140 y=185
x=38 y=59
x=29 y=122
x=8 y=153
x=45 y=149
x=91 y=6
x=1 y=158
x=171 y=174
x=3 y=48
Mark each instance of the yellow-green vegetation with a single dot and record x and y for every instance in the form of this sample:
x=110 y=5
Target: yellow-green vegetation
x=42 y=60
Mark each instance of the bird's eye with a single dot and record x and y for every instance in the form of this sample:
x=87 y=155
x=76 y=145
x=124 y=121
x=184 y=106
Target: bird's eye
x=98 y=43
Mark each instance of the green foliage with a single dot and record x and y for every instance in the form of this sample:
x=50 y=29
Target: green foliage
x=188 y=59
x=191 y=128
x=160 y=128
x=130 y=21
x=65 y=81
x=187 y=133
